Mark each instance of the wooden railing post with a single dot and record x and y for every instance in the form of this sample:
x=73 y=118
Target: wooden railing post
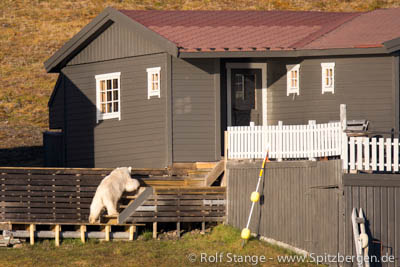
x=311 y=137
x=345 y=140
x=280 y=140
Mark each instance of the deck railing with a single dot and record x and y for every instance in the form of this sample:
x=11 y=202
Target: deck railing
x=371 y=154
x=285 y=141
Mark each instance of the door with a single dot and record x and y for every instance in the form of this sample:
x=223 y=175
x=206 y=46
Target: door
x=246 y=97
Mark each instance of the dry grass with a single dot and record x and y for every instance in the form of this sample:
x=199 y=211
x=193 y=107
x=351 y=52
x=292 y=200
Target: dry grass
x=32 y=30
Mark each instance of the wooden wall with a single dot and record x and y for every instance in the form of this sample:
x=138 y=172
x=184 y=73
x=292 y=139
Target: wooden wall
x=300 y=206
x=116 y=41
x=363 y=83
x=138 y=139
x=195 y=110
x=308 y=205
x=379 y=197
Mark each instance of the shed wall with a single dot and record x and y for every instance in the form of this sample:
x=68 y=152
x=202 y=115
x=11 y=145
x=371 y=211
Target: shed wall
x=195 y=109
x=138 y=139
x=117 y=41
x=56 y=106
x=363 y=83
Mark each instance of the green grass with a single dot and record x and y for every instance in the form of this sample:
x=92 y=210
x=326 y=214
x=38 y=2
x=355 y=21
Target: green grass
x=32 y=30
x=144 y=252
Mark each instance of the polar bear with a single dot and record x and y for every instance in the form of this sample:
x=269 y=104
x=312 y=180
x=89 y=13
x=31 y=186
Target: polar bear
x=110 y=191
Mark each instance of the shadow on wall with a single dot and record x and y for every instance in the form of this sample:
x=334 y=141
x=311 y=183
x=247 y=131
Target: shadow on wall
x=78 y=116
x=22 y=156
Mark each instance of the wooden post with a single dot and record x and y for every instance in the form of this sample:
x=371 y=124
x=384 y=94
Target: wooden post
x=343 y=116
x=154 y=230
x=203 y=227
x=107 y=231
x=311 y=141
x=343 y=124
x=226 y=143
x=83 y=233
x=57 y=230
x=32 y=234
x=178 y=229
x=280 y=140
x=132 y=231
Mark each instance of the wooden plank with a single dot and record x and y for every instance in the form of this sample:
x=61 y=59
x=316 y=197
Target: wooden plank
x=175 y=219
x=215 y=173
x=123 y=216
x=178 y=213
x=373 y=180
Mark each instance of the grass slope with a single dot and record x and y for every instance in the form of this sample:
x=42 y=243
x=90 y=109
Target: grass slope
x=32 y=30
x=223 y=239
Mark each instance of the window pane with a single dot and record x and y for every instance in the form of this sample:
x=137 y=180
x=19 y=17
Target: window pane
x=156 y=76
x=115 y=83
x=109 y=95
x=102 y=85
x=108 y=84
x=103 y=97
x=115 y=106
x=115 y=94
x=156 y=86
x=109 y=107
x=103 y=108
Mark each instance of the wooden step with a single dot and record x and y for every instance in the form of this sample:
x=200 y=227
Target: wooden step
x=215 y=173
x=206 y=165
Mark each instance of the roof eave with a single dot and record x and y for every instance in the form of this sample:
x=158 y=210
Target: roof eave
x=286 y=53
x=392 y=45
x=99 y=23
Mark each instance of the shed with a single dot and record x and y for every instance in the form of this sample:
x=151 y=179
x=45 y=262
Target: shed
x=153 y=88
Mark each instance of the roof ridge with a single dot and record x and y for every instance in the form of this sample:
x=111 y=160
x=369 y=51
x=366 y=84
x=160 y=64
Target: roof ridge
x=324 y=31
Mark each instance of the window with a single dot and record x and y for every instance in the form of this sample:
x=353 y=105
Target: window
x=153 y=82
x=108 y=97
x=293 y=79
x=328 y=77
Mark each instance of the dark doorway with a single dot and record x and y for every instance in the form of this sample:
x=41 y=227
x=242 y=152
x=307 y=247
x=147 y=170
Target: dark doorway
x=246 y=97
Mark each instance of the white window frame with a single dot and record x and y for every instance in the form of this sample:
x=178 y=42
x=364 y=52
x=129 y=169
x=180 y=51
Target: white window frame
x=150 y=81
x=111 y=115
x=328 y=88
x=291 y=89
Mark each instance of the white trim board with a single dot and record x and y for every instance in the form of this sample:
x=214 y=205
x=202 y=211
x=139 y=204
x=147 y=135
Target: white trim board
x=249 y=65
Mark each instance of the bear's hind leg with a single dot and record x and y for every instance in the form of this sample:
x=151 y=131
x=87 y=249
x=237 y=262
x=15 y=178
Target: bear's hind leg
x=95 y=209
x=111 y=207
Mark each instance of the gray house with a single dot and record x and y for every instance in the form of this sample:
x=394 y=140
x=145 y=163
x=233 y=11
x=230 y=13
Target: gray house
x=153 y=88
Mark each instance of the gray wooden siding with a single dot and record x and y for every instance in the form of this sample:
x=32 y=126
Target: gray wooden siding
x=138 y=139
x=300 y=206
x=363 y=83
x=195 y=110
x=56 y=106
x=379 y=197
x=115 y=42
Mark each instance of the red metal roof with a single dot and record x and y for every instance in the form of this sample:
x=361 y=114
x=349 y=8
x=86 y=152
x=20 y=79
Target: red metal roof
x=262 y=30
x=370 y=29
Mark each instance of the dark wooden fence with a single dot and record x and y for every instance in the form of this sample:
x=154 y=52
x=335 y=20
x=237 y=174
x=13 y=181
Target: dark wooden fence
x=308 y=205
x=300 y=205
x=40 y=195
x=379 y=197
x=196 y=204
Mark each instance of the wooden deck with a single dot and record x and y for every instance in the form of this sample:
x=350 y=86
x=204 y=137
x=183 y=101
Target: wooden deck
x=62 y=196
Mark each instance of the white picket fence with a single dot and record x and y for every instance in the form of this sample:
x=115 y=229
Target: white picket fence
x=285 y=141
x=371 y=154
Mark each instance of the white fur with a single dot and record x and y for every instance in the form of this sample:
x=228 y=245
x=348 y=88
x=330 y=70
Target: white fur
x=110 y=191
